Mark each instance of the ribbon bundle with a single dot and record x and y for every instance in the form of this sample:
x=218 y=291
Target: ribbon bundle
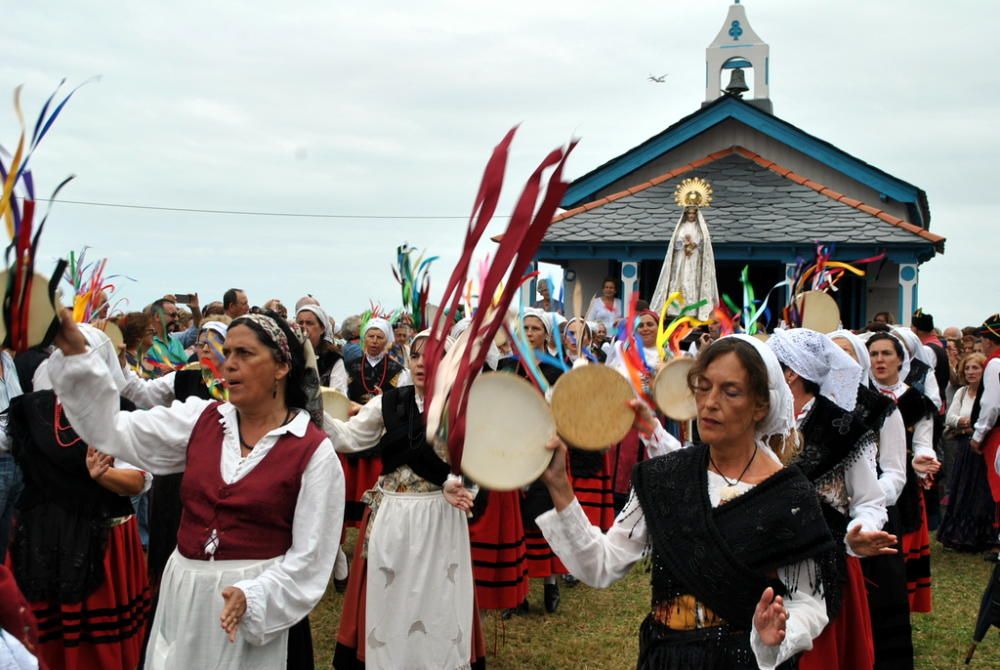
x=18 y=185
x=531 y=217
x=415 y=283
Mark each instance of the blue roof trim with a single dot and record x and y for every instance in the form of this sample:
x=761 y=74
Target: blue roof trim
x=583 y=189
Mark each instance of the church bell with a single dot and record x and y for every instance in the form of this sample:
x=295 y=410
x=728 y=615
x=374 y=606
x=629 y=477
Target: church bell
x=737 y=83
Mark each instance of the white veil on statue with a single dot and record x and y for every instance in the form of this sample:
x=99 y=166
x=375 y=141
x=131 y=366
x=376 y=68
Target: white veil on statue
x=693 y=274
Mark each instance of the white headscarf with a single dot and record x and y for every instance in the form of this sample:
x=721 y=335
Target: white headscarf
x=923 y=354
x=376 y=322
x=215 y=326
x=780 y=417
x=904 y=368
x=860 y=350
x=539 y=314
x=323 y=319
x=815 y=357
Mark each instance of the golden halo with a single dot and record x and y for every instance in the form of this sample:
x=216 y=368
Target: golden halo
x=693 y=192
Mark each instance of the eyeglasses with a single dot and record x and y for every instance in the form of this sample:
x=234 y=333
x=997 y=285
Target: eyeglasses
x=151 y=331
x=202 y=343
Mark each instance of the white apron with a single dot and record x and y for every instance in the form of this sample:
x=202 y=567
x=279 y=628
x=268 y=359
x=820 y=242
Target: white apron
x=419 y=585
x=186 y=631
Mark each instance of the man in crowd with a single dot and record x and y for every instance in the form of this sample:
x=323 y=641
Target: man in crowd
x=167 y=352
x=235 y=303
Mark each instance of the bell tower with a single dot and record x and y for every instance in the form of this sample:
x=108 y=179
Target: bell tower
x=736 y=50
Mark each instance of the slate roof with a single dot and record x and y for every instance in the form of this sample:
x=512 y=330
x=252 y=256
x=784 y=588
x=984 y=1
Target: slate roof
x=756 y=202
x=730 y=107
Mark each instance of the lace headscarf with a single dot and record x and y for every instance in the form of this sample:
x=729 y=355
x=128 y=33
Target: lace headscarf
x=780 y=419
x=860 y=350
x=815 y=357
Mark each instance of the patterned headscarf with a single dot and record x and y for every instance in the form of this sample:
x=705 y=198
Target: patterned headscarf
x=272 y=333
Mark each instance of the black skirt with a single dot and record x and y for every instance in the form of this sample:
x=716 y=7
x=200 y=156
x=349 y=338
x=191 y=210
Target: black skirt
x=969 y=518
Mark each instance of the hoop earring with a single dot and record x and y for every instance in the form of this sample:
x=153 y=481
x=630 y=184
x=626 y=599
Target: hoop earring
x=274 y=392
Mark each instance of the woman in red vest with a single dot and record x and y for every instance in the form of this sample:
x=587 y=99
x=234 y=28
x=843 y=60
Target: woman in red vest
x=262 y=496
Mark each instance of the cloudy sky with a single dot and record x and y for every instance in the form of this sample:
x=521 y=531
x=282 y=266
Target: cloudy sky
x=390 y=109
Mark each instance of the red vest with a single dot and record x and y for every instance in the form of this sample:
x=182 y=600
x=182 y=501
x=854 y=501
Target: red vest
x=253 y=516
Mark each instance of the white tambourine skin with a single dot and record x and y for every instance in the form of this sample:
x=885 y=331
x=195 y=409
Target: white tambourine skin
x=508 y=424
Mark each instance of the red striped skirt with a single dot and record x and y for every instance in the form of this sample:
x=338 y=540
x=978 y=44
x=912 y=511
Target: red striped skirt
x=498 y=553
x=846 y=643
x=542 y=561
x=917 y=556
x=596 y=495
x=360 y=475
x=105 y=630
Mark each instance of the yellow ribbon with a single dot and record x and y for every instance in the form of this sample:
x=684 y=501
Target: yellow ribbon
x=661 y=333
x=6 y=208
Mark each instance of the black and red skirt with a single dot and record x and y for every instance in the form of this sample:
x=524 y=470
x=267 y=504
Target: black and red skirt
x=499 y=558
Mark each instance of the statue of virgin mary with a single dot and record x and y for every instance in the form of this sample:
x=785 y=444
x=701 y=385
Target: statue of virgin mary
x=689 y=264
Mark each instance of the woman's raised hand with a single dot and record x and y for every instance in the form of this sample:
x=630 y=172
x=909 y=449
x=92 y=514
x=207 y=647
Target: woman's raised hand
x=770 y=618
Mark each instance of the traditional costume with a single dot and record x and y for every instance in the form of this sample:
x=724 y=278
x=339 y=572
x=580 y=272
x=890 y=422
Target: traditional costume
x=267 y=523
x=76 y=551
x=885 y=575
x=369 y=376
x=916 y=410
x=837 y=453
x=986 y=412
x=712 y=561
x=969 y=522
x=329 y=362
x=412 y=543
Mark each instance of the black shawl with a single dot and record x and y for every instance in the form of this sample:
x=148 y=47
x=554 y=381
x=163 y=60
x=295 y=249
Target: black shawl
x=725 y=557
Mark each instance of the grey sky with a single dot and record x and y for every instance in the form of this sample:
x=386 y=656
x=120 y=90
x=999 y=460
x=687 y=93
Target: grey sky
x=384 y=108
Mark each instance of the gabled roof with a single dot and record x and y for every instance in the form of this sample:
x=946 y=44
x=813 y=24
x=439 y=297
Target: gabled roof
x=756 y=201
x=728 y=107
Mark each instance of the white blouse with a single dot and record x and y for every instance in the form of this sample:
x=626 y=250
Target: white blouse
x=989 y=404
x=599 y=560
x=362 y=431
x=598 y=311
x=961 y=406
x=157 y=440
x=892 y=457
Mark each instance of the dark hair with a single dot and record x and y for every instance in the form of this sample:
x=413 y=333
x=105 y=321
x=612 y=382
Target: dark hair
x=749 y=359
x=888 y=316
x=230 y=297
x=876 y=327
x=809 y=385
x=878 y=337
x=295 y=393
x=157 y=305
x=133 y=326
x=215 y=307
x=612 y=280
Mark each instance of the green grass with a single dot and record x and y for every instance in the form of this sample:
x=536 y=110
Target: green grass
x=597 y=628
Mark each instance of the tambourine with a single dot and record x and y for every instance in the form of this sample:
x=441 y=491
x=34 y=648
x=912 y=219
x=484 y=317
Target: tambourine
x=335 y=404
x=819 y=311
x=114 y=334
x=44 y=304
x=590 y=407
x=507 y=425
x=671 y=391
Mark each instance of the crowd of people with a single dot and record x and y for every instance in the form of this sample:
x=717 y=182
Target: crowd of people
x=181 y=500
